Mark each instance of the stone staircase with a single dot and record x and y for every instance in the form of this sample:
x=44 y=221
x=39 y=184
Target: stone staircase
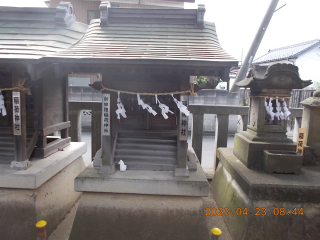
x=147 y=150
x=7 y=144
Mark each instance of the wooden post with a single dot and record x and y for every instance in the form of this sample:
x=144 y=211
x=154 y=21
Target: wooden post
x=75 y=129
x=182 y=144
x=108 y=166
x=221 y=134
x=65 y=132
x=197 y=134
x=42 y=140
x=20 y=137
x=95 y=132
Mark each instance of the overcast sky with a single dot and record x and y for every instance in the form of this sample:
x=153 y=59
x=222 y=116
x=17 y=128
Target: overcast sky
x=237 y=22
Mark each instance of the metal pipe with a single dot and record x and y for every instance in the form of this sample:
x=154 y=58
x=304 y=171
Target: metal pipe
x=41 y=230
x=216 y=233
x=255 y=45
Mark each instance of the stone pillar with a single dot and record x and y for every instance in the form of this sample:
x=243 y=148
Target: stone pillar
x=310 y=121
x=197 y=134
x=244 y=122
x=75 y=129
x=221 y=134
x=95 y=132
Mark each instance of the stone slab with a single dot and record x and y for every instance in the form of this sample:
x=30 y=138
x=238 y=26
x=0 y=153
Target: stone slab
x=250 y=152
x=42 y=169
x=143 y=182
x=257 y=205
x=113 y=216
x=281 y=162
x=21 y=208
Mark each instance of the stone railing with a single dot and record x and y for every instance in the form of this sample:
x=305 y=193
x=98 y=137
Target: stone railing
x=221 y=132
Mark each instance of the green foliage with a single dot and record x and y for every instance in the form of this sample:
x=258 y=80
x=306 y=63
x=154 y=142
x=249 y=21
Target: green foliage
x=208 y=82
x=200 y=79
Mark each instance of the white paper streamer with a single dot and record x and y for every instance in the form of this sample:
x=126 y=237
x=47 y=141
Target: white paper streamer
x=278 y=108
x=145 y=106
x=2 y=107
x=181 y=107
x=164 y=108
x=286 y=110
x=269 y=109
x=120 y=109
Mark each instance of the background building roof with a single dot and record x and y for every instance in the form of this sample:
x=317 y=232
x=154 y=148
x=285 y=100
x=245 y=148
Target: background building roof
x=30 y=33
x=283 y=53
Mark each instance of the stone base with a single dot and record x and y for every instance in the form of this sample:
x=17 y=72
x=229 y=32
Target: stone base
x=281 y=162
x=143 y=182
x=269 y=200
x=103 y=216
x=250 y=152
x=45 y=191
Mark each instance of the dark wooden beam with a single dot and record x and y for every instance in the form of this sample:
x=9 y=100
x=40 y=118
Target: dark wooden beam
x=51 y=129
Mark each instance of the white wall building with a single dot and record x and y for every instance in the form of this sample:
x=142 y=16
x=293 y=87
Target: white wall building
x=306 y=56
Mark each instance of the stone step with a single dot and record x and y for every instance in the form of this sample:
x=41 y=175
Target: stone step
x=148 y=135
x=150 y=153
x=145 y=146
x=6 y=148
x=143 y=165
x=147 y=141
x=8 y=152
x=146 y=159
x=5 y=143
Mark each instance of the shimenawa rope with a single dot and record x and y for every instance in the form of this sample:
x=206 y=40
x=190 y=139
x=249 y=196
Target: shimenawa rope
x=19 y=87
x=191 y=91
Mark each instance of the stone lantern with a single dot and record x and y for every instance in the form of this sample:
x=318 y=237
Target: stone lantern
x=310 y=121
x=270 y=90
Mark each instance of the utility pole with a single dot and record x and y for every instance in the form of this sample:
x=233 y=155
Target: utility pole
x=255 y=45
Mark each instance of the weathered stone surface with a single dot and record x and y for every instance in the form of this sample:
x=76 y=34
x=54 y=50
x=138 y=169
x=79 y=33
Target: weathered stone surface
x=250 y=152
x=311 y=156
x=236 y=188
x=277 y=161
x=22 y=208
x=192 y=160
x=259 y=185
x=42 y=169
x=143 y=182
x=139 y=217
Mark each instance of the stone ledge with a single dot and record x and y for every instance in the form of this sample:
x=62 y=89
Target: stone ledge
x=259 y=185
x=143 y=182
x=42 y=169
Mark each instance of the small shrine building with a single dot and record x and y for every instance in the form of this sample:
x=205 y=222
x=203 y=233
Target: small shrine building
x=152 y=52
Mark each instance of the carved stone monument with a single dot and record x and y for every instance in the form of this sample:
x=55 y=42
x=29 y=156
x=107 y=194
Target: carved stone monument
x=268 y=114
x=253 y=183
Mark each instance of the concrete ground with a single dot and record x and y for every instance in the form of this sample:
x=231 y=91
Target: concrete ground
x=64 y=229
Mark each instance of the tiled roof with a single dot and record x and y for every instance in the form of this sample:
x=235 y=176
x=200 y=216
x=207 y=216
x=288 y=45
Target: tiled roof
x=287 y=52
x=148 y=41
x=149 y=34
x=30 y=33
